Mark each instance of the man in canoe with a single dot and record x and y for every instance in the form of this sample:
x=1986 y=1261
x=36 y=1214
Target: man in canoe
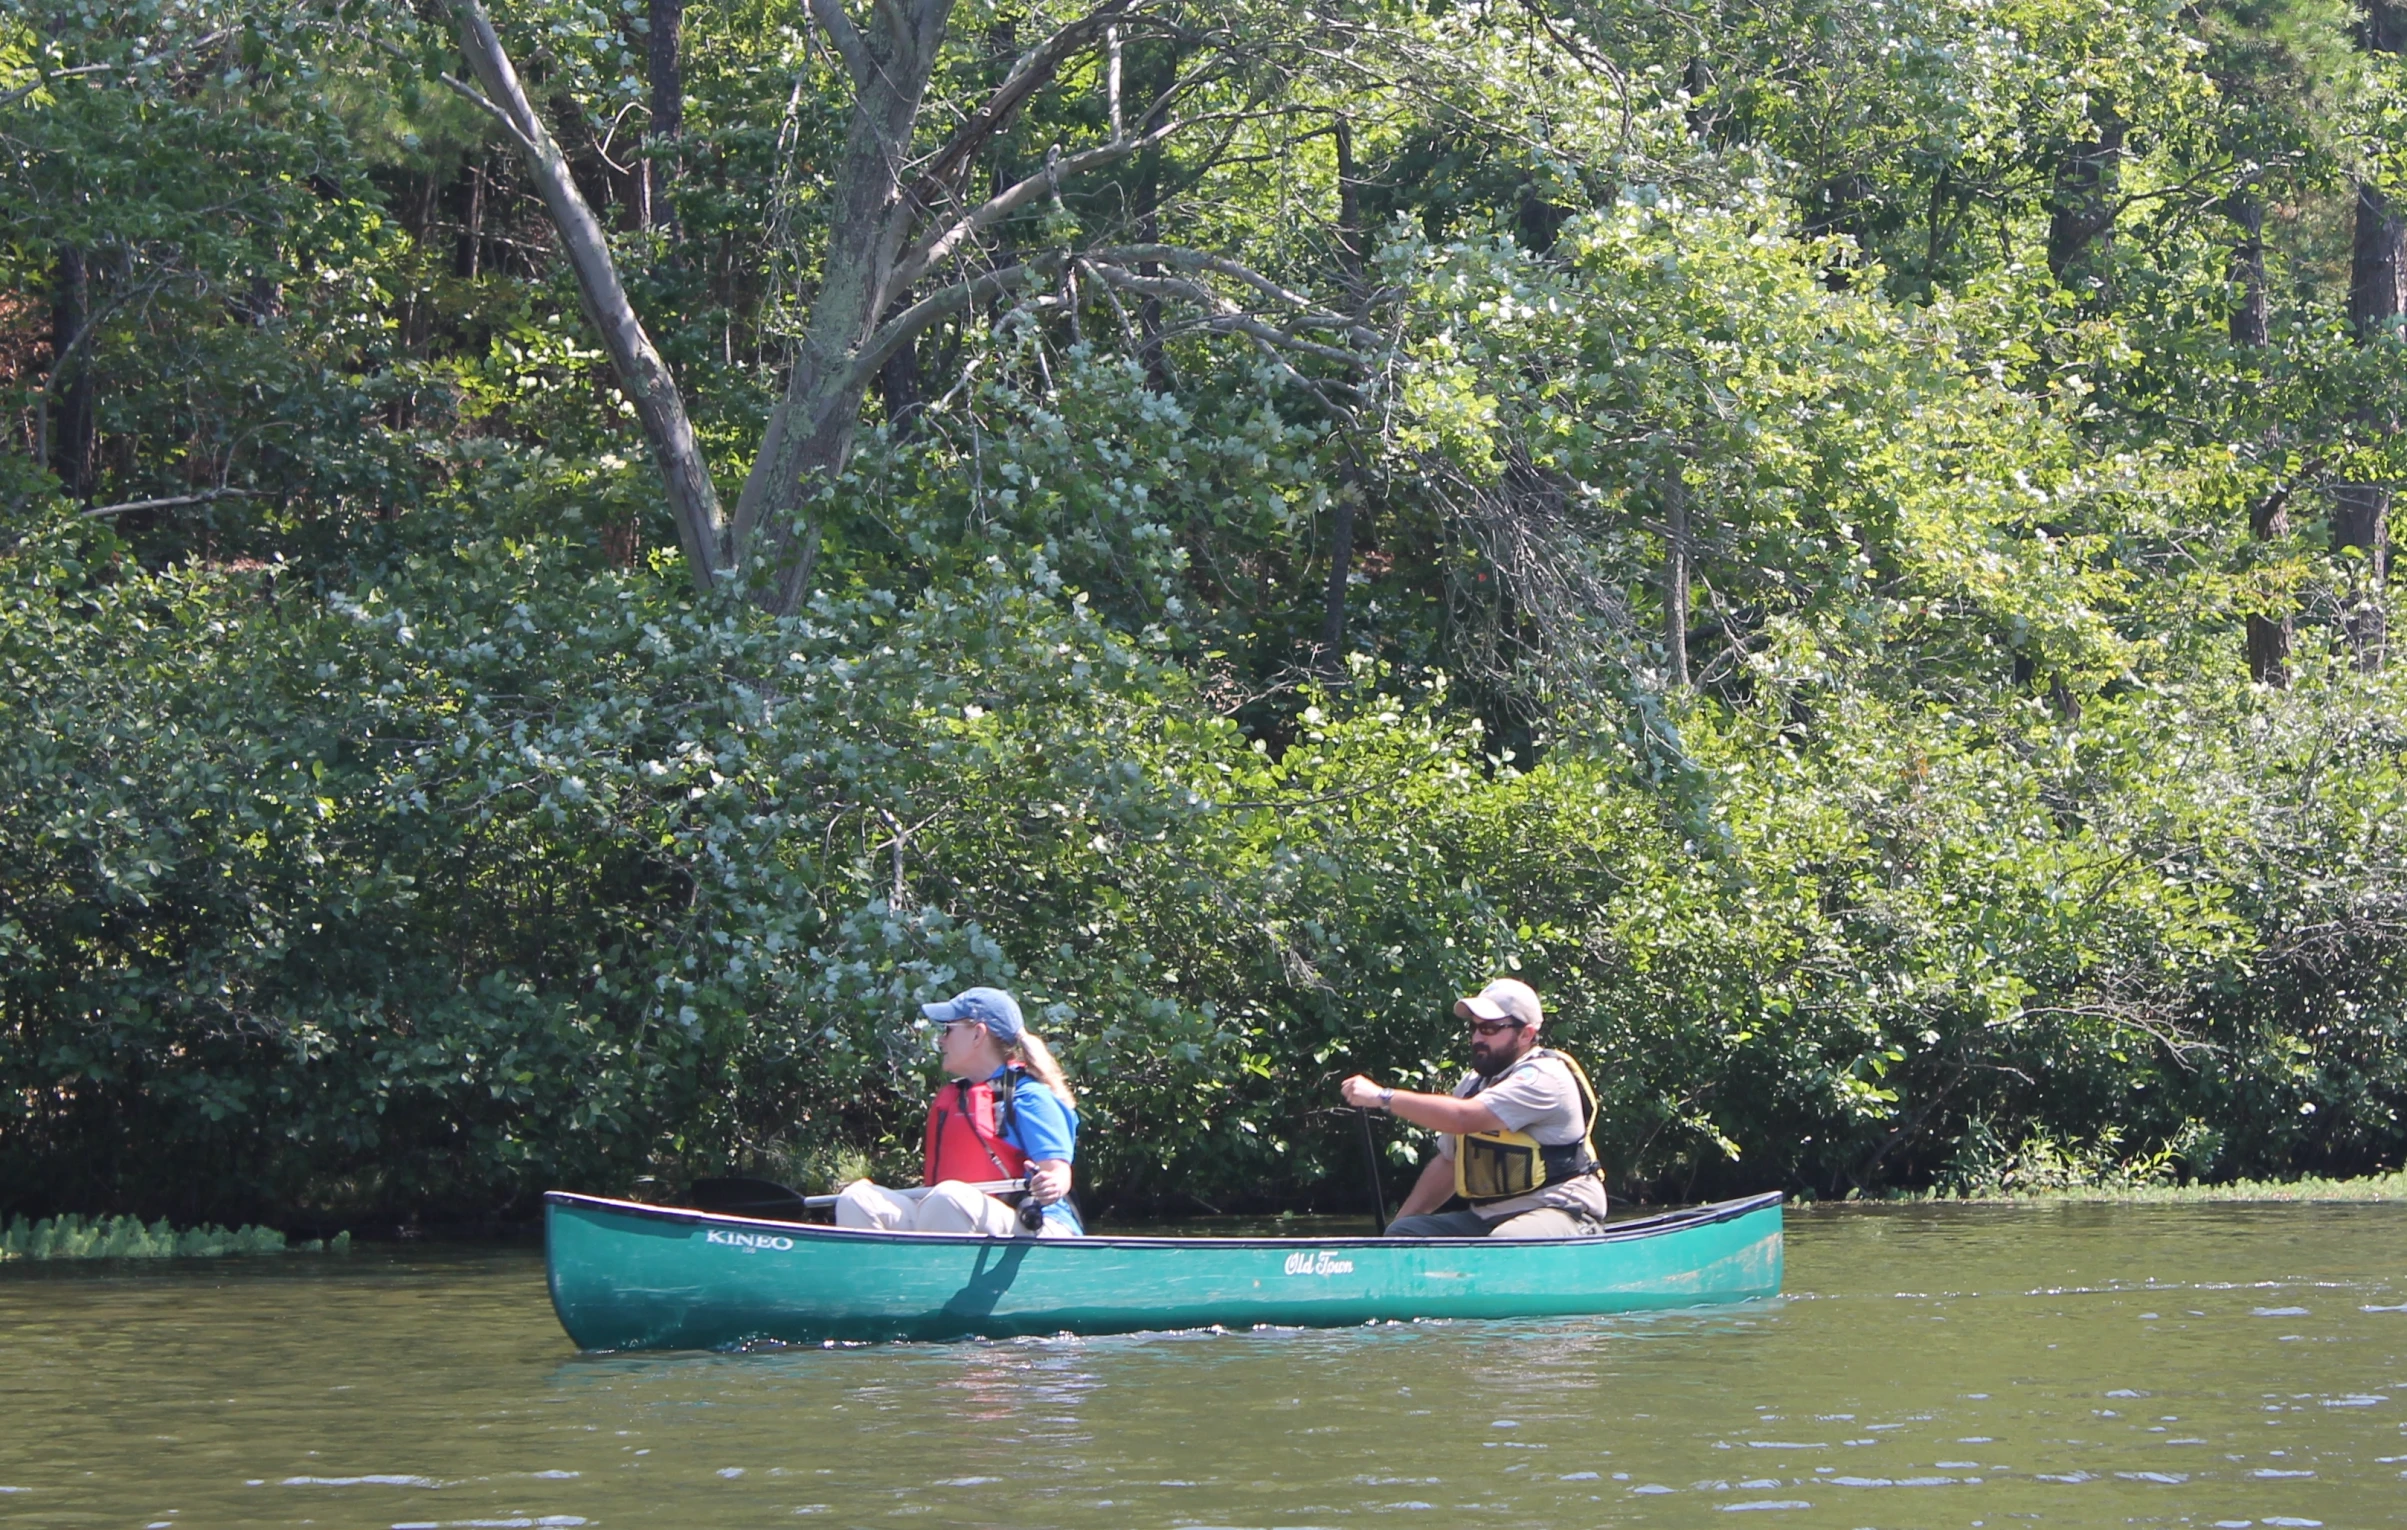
x=1518 y=1131
x=1007 y=1114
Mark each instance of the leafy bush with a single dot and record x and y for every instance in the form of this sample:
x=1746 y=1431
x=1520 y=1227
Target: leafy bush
x=503 y=872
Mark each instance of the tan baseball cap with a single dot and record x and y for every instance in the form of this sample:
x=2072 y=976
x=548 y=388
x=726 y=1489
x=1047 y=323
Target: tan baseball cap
x=1504 y=999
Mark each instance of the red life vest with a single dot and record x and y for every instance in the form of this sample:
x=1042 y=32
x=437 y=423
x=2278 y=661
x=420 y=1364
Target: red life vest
x=965 y=1139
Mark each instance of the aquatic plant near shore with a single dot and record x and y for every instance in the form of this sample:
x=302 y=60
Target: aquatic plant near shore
x=72 y=1237
x=2370 y=1187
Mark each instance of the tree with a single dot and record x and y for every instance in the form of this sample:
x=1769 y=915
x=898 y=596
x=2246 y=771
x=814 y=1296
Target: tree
x=196 y=229
x=2282 y=69
x=902 y=225
x=665 y=29
x=69 y=418
x=2085 y=201
x=2377 y=299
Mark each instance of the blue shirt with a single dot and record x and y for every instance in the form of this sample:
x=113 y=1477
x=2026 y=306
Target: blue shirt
x=1042 y=1127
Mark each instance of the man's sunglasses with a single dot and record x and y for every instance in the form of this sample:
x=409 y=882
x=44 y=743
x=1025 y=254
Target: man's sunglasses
x=1494 y=1027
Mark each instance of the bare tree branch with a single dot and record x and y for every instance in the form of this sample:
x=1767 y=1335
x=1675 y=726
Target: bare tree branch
x=941 y=244
x=22 y=91
x=897 y=331
x=1178 y=257
x=458 y=87
x=1225 y=316
x=844 y=37
x=173 y=501
x=1030 y=74
x=486 y=104
x=1221 y=315
x=1128 y=329
x=190 y=45
x=887 y=236
x=642 y=374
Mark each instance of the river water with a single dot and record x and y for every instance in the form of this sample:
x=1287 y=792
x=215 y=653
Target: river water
x=1930 y=1366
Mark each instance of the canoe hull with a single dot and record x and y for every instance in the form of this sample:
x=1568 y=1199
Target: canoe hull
x=630 y=1276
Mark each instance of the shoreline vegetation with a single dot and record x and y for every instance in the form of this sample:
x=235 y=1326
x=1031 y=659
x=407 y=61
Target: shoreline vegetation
x=1855 y=560
x=2369 y=1187
x=126 y=1237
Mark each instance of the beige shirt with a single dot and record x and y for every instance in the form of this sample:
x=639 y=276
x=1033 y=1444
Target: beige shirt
x=1538 y=1096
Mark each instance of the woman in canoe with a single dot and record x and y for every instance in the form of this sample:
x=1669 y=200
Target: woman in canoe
x=1007 y=1114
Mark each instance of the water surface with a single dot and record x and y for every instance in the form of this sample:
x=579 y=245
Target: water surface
x=2070 y=1365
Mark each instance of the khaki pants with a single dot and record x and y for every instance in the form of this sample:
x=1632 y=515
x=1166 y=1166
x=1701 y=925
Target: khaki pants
x=1545 y=1222
x=951 y=1207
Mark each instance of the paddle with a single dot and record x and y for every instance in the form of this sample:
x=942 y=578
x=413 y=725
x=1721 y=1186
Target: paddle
x=736 y=1196
x=1370 y=1154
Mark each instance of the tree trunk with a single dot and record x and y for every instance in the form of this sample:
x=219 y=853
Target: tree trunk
x=1349 y=490
x=1934 y=241
x=1341 y=572
x=2374 y=268
x=1676 y=568
x=668 y=110
x=2361 y=510
x=2269 y=636
x=901 y=389
x=1836 y=207
x=2360 y=525
x=2249 y=316
x=2081 y=206
x=1152 y=355
x=261 y=303
x=1113 y=60
x=1694 y=83
x=868 y=222
x=1537 y=221
x=72 y=405
x=1350 y=251
x=472 y=227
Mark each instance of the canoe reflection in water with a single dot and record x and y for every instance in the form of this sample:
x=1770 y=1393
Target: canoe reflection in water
x=624 y=1275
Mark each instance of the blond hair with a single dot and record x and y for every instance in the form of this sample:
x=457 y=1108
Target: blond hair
x=1031 y=1049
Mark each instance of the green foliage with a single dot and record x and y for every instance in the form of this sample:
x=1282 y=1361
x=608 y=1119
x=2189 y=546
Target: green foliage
x=399 y=833
x=486 y=879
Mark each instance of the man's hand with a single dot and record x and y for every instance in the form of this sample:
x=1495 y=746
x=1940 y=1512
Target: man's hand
x=1048 y=1180
x=1436 y=1112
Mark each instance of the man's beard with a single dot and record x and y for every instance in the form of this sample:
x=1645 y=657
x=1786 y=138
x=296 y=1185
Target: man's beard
x=1488 y=1061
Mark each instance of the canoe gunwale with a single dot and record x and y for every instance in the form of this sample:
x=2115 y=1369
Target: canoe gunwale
x=1678 y=1220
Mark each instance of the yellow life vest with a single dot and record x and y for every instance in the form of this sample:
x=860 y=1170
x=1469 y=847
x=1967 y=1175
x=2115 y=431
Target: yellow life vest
x=1494 y=1166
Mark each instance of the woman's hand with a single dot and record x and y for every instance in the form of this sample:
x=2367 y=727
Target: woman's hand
x=1048 y=1180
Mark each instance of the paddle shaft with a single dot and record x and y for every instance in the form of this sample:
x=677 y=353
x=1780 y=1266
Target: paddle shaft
x=1370 y=1155
x=916 y=1192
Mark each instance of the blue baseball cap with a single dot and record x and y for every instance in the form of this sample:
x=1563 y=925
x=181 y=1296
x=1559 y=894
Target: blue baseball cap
x=998 y=1011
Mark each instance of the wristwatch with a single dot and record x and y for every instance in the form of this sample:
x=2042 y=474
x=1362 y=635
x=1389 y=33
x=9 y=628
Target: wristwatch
x=1387 y=1101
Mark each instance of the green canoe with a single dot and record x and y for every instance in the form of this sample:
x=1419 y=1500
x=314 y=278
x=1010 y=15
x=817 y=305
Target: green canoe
x=630 y=1276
